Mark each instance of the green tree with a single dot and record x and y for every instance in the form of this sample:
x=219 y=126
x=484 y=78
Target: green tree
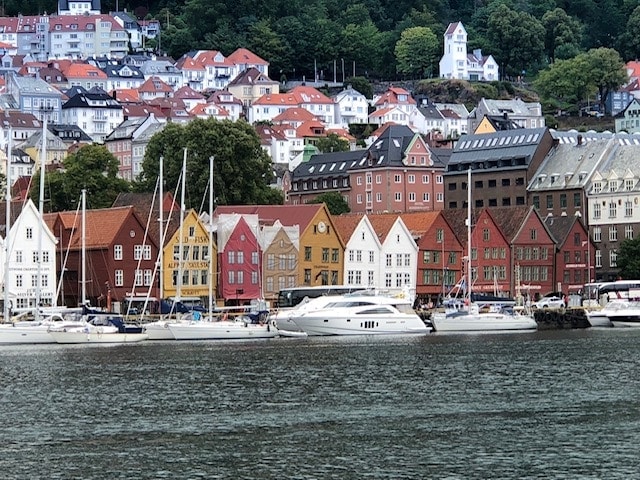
x=565 y=82
x=360 y=84
x=628 y=259
x=606 y=71
x=517 y=38
x=242 y=170
x=266 y=43
x=363 y=45
x=563 y=34
x=93 y=168
x=335 y=202
x=630 y=39
x=332 y=143
x=417 y=52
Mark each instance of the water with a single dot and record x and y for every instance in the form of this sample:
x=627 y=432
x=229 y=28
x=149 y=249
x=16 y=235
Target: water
x=537 y=405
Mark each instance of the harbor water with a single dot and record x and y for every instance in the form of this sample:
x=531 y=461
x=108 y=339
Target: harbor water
x=553 y=404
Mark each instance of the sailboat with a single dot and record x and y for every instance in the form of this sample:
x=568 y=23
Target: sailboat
x=217 y=325
x=470 y=318
x=159 y=330
x=21 y=330
x=88 y=332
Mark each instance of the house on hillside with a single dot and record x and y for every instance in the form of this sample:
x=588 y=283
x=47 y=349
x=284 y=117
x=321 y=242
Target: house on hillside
x=457 y=63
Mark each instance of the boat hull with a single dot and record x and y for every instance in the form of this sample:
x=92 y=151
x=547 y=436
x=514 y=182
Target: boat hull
x=95 y=337
x=632 y=321
x=482 y=323
x=16 y=335
x=318 y=325
x=598 y=319
x=221 y=331
x=158 y=331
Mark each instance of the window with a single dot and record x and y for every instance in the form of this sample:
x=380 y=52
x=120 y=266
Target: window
x=533 y=234
x=549 y=201
x=325 y=255
x=596 y=210
x=563 y=200
x=536 y=201
x=628 y=232
x=19 y=256
x=628 y=208
x=137 y=252
x=397 y=178
x=117 y=252
x=597 y=234
x=485 y=234
x=613 y=233
x=307 y=254
x=613 y=258
x=388 y=260
x=29 y=233
x=598 y=259
x=613 y=209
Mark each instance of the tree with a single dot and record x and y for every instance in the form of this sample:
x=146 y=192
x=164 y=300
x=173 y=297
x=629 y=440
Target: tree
x=336 y=204
x=563 y=34
x=332 y=143
x=628 y=259
x=516 y=39
x=417 y=51
x=93 y=168
x=566 y=82
x=606 y=71
x=360 y=84
x=242 y=170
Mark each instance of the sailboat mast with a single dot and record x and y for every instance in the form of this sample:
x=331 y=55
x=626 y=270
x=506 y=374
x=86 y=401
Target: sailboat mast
x=182 y=213
x=43 y=159
x=161 y=222
x=7 y=222
x=469 y=237
x=83 y=262
x=211 y=159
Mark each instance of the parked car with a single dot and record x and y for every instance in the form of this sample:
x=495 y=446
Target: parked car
x=549 y=302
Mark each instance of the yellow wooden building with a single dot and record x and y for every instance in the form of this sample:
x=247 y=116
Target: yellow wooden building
x=190 y=277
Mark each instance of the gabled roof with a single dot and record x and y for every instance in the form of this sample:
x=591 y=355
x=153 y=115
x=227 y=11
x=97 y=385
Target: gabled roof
x=85 y=71
x=392 y=97
x=142 y=203
x=144 y=110
x=126 y=95
x=186 y=92
x=294 y=114
x=251 y=76
x=154 y=85
x=560 y=227
x=288 y=215
x=346 y=224
x=242 y=56
x=223 y=97
x=102 y=226
x=511 y=219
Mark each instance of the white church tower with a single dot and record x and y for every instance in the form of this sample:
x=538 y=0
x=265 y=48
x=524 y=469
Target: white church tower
x=453 y=63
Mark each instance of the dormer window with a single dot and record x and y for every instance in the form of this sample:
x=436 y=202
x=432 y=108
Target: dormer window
x=597 y=187
x=74 y=26
x=628 y=184
x=613 y=185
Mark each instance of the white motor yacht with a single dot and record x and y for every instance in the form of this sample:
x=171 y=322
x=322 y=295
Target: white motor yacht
x=474 y=320
x=622 y=313
x=358 y=314
x=222 y=330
